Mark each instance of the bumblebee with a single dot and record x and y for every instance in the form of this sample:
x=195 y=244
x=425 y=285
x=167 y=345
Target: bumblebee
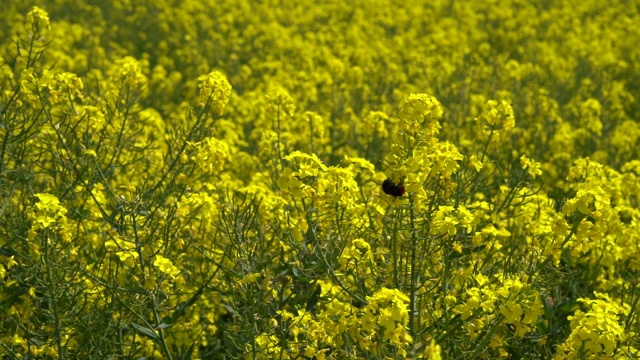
x=393 y=189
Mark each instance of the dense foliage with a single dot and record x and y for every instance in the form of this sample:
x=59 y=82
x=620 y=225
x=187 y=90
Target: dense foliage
x=204 y=179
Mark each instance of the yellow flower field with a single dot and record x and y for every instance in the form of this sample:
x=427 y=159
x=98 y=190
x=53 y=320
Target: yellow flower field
x=271 y=179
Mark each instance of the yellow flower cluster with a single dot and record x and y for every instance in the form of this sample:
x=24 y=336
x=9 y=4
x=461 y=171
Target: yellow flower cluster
x=598 y=332
x=374 y=179
x=214 y=91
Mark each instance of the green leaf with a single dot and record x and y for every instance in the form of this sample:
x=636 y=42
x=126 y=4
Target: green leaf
x=145 y=331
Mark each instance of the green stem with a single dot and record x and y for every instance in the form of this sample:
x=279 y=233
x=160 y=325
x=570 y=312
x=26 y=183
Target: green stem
x=52 y=297
x=413 y=288
x=394 y=247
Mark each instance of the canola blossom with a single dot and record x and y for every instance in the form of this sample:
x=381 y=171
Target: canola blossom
x=376 y=179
